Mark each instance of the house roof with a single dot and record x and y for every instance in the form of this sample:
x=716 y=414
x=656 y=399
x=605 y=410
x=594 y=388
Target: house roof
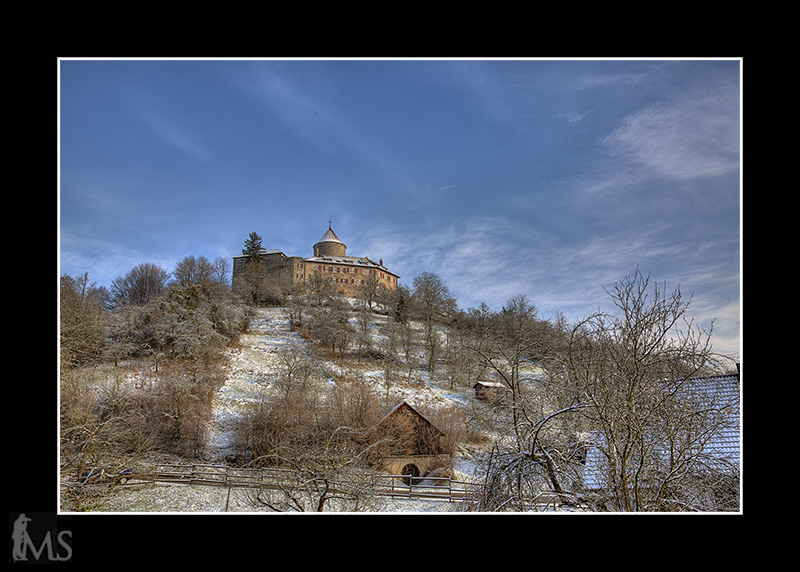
x=720 y=393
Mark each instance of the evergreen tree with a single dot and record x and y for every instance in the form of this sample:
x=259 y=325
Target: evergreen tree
x=252 y=246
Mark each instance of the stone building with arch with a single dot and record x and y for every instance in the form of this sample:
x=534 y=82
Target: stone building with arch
x=407 y=444
x=329 y=261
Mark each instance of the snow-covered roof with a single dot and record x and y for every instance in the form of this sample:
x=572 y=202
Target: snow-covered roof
x=263 y=253
x=358 y=261
x=488 y=384
x=719 y=393
x=329 y=236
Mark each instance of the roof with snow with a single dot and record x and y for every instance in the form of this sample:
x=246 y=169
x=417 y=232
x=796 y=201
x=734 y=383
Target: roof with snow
x=489 y=384
x=263 y=252
x=720 y=394
x=358 y=261
x=329 y=236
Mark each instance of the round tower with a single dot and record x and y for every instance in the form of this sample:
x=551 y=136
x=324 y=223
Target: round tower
x=330 y=245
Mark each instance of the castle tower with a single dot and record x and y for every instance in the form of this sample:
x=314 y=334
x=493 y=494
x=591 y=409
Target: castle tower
x=330 y=245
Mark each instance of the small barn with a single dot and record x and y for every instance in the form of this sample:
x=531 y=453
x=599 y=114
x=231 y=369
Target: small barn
x=406 y=443
x=489 y=391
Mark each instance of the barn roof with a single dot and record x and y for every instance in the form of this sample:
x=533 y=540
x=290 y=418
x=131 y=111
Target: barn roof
x=403 y=405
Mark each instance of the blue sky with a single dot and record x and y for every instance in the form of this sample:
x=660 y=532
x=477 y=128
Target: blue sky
x=551 y=178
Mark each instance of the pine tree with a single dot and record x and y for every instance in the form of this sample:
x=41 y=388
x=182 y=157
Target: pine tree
x=252 y=246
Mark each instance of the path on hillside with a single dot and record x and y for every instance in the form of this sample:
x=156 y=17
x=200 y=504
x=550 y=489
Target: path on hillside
x=252 y=362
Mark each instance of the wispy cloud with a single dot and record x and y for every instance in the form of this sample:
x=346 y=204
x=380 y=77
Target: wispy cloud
x=470 y=254
x=574 y=117
x=166 y=125
x=689 y=137
x=310 y=114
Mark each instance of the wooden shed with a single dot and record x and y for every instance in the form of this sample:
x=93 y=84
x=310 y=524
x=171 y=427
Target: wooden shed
x=489 y=391
x=406 y=443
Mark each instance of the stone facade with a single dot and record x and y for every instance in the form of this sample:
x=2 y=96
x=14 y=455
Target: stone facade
x=329 y=261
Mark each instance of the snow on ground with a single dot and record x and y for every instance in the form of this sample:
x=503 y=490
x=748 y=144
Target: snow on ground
x=157 y=498
x=252 y=369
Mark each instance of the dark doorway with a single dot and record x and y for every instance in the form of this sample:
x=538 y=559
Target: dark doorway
x=411 y=473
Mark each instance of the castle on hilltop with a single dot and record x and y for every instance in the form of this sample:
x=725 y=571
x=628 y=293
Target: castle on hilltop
x=330 y=262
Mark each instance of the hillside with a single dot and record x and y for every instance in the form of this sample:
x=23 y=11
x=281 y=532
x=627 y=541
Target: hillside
x=252 y=372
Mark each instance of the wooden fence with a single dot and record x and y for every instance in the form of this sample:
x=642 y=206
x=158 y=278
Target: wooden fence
x=272 y=478
x=423 y=488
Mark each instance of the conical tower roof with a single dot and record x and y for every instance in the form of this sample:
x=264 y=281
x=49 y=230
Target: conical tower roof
x=330 y=245
x=330 y=236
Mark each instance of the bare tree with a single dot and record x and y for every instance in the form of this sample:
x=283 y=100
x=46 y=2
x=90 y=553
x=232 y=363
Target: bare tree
x=142 y=284
x=222 y=270
x=363 y=332
x=313 y=447
x=622 y=379
x=321 y=290
x=296 y=304
x=432 y=302
x=254 y=283
x=512 y=339
x=295 y=368
x=632 y=370
x=331 y=325
x=83 y=320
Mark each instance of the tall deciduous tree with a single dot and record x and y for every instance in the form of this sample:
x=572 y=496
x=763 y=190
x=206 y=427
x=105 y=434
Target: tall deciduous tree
x=432 y=302
x=139 y=286
x=83 y=320
x=631 y=369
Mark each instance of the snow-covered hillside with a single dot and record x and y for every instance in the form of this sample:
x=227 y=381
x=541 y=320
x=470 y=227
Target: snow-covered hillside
x=253 y=369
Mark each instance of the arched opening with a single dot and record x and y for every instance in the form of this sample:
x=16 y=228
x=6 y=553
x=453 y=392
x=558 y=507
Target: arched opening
x=411 y=474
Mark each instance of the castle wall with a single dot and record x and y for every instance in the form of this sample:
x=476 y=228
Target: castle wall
x=348 y=278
